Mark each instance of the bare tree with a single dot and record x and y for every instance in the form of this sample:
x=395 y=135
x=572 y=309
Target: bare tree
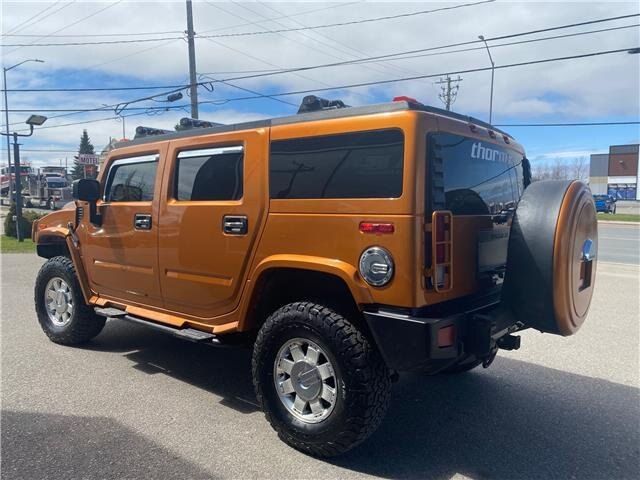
x=561 y=169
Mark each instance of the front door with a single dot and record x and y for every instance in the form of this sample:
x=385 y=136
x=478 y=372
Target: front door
x=211 y=211
x=121 y=255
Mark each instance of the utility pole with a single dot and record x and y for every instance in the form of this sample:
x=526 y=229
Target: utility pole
x=449 y=90
x=193 y=85
x=6 y=121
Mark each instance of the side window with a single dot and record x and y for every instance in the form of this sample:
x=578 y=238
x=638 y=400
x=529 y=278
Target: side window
x=211 y=174
x=132 y=179
x=351 y=165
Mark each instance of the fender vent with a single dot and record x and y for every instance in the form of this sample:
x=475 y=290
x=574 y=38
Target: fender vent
x=79 y=214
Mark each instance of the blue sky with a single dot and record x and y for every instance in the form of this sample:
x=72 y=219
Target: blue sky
x=596 y=89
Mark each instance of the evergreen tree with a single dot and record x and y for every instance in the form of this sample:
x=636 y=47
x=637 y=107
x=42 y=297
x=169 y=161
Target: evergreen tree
x=85 y=147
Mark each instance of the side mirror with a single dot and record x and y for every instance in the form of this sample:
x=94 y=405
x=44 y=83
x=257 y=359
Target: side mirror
x=87 y=190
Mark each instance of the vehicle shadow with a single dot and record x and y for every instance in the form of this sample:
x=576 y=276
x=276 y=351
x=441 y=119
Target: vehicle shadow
x=514 y=420
x=224 y=371
x=39 y=446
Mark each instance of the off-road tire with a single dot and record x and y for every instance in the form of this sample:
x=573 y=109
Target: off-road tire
x=84 y=324
x=363 y=380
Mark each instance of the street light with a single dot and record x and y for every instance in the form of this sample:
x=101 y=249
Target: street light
x=493 y=66
x=33 y=120
x=6 y=120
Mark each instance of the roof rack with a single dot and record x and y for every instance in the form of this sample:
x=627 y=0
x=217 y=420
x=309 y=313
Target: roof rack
x=327 y=109
x=147 y=131
x=311 y=103
x=187 y=123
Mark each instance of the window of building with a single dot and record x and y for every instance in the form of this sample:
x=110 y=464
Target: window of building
x=622 y=191
x=132 y=179
x=209 y=174
x=351 y=165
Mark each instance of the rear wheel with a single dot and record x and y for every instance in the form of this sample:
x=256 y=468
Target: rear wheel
x=62 y=312
x=322 y=385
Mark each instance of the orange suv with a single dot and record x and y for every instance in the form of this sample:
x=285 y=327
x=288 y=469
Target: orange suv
x=344 y=244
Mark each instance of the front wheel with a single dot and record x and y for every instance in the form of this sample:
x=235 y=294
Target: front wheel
x=51 y=204
x=322 y=385
x=62 y=313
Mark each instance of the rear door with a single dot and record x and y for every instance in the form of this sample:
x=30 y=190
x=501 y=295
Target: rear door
x=211 y=213
x=480 y=183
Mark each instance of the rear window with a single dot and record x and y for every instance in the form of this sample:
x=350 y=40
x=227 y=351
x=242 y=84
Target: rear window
x=350 y=165
x=471 y=177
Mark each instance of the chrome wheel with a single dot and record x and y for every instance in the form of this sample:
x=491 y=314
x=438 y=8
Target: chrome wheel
x=305 y=380
x=58 y=301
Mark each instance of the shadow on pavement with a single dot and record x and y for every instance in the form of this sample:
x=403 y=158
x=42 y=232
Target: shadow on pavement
x=220 y=370
x=36 y=445
x=515 y=420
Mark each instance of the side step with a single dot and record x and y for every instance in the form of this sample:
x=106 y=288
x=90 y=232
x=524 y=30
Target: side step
x=190 y=334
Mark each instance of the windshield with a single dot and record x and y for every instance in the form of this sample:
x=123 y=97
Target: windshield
x=471 y=177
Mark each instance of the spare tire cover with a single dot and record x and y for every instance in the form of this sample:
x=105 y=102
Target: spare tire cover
x=551 y=261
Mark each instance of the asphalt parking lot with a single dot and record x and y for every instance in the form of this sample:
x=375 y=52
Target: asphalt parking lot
x=139 y=404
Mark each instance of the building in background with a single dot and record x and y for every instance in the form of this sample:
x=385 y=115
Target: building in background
x=616 y=173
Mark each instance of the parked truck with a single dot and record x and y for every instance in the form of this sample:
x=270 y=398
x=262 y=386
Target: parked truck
x=49 y=187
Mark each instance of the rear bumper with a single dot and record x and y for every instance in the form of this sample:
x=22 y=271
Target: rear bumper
x=409 y=342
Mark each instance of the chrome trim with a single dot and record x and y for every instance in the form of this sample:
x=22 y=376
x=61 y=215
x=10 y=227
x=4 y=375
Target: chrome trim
x=207 y=152
x=381 y=263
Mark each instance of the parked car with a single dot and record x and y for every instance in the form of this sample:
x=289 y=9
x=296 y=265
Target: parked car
x=605 y=203
x=343 y=244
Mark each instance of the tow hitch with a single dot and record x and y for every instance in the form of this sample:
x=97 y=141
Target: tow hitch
x=509 y=342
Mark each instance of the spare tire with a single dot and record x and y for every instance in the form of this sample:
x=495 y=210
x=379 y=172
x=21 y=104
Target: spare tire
x=551 y=262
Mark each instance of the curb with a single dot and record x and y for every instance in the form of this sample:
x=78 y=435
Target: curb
x=618 y=222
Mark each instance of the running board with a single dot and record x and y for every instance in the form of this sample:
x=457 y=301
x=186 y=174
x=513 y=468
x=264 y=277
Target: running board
x=190 y=334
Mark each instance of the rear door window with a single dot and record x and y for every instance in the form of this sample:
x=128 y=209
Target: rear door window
x=471 y=177
x=351 y=165
x=209 y=174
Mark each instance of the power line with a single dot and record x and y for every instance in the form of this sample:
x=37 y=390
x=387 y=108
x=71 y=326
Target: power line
x=22 y=26
x=291 y=15
x=520 y=42
x=262 y=32
x=441 y=74
x=217 y=42
x=89 y=35
x=67 y=26
x=364 y=84
x=439 y=47
x=249 y=90
x=396 y=56
x=95 y=89
x=575 y=124
x=33 y=17
x=352 y=22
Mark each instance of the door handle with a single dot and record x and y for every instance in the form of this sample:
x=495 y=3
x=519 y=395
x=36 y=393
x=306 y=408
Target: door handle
x=235 y=224
x=142 y=221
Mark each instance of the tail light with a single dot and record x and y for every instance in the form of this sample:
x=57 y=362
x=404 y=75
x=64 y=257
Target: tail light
x=442 y=242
